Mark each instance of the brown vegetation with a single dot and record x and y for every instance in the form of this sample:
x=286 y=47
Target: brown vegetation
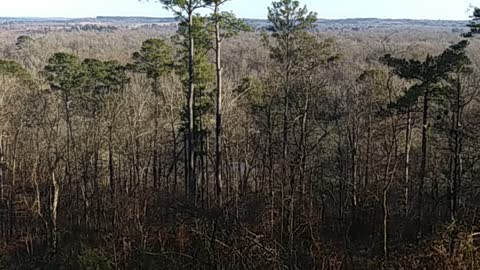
x=319 y=169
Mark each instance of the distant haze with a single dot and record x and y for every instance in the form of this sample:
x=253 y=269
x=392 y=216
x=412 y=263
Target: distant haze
x=330 y=9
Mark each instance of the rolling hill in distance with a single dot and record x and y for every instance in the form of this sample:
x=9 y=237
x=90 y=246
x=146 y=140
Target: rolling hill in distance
x=350 y=24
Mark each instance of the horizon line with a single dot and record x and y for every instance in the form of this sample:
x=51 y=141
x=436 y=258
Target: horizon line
x=244 y=18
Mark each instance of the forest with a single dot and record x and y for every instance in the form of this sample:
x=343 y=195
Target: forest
x=218 y=145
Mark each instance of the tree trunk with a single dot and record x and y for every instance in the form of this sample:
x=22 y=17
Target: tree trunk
x=111 y=174
x=192 y=181
x=423 y=166
x=457 y=151
x=408 y=145
x=53 y=220
x=174 y=156
x=218 y=126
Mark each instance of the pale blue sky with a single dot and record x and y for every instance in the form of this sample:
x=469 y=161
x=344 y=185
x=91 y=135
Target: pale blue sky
x=413 y=9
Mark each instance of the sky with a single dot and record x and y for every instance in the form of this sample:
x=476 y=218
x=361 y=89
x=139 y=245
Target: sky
x=329 y=9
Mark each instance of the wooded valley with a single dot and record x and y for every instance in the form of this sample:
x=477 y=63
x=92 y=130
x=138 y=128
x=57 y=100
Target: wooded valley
x=219 y=145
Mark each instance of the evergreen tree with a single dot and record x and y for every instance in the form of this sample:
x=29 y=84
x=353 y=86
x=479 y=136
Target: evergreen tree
x=155 y=59
x=202 y=76
x=430 y=77
x=297 y=56
x=185 y=12
x=474 y=24
x=225 y=25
